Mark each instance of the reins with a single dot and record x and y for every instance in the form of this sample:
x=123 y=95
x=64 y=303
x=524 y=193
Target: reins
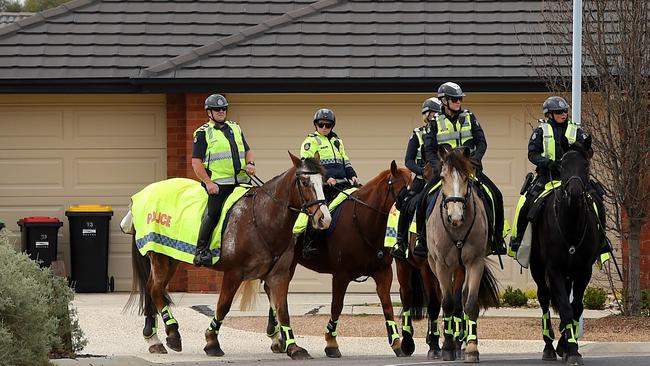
x=556 y=201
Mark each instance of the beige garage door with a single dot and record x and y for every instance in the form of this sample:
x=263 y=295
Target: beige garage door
x=375 y=129
x=57 y=151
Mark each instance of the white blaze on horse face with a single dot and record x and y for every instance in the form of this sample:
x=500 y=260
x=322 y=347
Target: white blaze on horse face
x=455 y=209
x=325 y=220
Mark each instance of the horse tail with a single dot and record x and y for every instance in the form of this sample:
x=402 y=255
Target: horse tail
x=141 y=271
x=488 y=292
x=418 y=298
x=248 y=292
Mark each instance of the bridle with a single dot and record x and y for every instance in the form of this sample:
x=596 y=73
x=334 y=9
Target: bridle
x=565 y=196
x=305 y=204
x=464 y=200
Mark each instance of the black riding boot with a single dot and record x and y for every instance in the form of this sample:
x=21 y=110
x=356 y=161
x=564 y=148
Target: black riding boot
x=310 y=238
x=399 y=250
x=203 y=256
x=421 y=249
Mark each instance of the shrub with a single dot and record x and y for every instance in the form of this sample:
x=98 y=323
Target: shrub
x=514 y=297
x=531 y=293
x=645 y=300
x=34 y=311
x=594 y=298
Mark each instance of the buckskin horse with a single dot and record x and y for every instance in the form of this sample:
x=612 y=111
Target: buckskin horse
x=354 y=248
x=565 y=246
x=257 y=244
x=457 y=239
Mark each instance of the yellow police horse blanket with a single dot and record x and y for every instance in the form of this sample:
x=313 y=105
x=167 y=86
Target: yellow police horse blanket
x=167 y=216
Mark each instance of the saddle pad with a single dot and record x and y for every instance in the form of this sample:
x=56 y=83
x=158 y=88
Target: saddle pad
x=167 y=216
x=390 y=238
x=301 y=222
x=523 y=253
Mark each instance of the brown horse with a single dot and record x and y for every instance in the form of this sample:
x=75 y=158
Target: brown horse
x=257 y=244
x=355 y=248
x=457 y=239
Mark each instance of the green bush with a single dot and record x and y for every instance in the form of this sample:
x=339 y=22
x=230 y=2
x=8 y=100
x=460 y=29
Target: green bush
x=645 y=300
x=594 y=298
x=35 y=319
x=531 y=293
x=514 y=297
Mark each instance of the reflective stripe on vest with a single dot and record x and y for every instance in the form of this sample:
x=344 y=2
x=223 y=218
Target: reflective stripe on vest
x=330 y=156
x=218 y=155
x=549 y=140
x=454 y=135
x=419 y=132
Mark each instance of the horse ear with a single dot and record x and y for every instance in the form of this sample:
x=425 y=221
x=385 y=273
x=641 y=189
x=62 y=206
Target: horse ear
x=296 y=161
x=466 y=151
x=317 y=157
x=564 y=143
x=443 y=150
x=587 y=142
x=393 y=168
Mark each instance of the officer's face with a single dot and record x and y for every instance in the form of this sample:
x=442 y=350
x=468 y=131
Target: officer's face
x=454 y=103
x=218 y=114
x=560 y=116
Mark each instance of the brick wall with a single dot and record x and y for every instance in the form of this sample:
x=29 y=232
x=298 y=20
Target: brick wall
x=184 y=114
x=644 y=260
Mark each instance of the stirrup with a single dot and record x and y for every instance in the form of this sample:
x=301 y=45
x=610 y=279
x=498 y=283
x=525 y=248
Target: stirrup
x=309 y=252
x=203 y=258
x=513 y=247
x=397 y=252
x=420 y=250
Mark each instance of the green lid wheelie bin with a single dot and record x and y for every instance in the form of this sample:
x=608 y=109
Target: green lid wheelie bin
x=89 y=233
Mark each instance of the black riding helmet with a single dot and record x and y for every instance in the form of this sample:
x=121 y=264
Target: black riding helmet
x=450 y=89
x=326 y=114
x=215 y=101
x=554 y=104
x=431 y=105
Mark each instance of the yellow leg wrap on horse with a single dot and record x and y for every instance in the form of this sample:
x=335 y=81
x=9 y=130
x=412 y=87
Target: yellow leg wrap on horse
x=470 y=329
x=391 y=329
x=406 y=322
x=547 y=326
x=287 y=337
x=458 y=325
x=167 y=316
x=331 y=328
x=215 y=325
x=448 y=325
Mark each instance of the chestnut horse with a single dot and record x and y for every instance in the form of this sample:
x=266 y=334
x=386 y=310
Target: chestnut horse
x=354 y=248
x=457 y=239
x=256 y=244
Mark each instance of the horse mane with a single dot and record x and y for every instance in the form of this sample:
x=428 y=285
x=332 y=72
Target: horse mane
x=459 y=162
x=313 y=165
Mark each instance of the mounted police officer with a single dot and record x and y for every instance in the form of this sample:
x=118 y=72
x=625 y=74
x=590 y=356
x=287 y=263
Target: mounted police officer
x=221 y=159
x=545 y=150
x=339 y=173
x=415 y=161
x=459 y=127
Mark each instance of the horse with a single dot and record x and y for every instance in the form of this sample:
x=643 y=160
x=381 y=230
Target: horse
x=256 y=244
x=354 y=248
x=418 y=287
x=565 y=246
x=457 y=239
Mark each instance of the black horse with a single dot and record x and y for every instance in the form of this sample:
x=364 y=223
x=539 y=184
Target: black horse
x=564 y=248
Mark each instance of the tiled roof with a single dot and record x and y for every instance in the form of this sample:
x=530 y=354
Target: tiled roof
x=8 y=18
x=277 y=39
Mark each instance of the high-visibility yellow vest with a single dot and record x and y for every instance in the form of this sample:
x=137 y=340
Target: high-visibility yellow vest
x=334 y=159
x=454 y=134
x=549 y=139
x=219 y=159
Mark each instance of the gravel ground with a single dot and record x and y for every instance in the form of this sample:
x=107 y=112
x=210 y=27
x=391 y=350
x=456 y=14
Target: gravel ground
x=608 y=329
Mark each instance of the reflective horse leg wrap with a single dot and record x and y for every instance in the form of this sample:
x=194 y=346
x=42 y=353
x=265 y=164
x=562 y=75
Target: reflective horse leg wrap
x=547 y=327
x=150 y=326
x=391 y=329
x=433 y=334
x=448 y=325
x=459 y=331
x=168 y=318
x=287 y=337
x=215 y=325
x=470 y=330
x=273 y=327
x=407 y=323
x=331 y=328
x=571 y=334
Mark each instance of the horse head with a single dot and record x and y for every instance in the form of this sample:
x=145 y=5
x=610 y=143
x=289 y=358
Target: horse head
x=308 y=194
x=574 y=167
x=456 y=170
x=398 y=181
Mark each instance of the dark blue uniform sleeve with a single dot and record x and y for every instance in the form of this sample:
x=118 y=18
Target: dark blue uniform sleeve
x=246 y=147
x=478 y=136
x=431 y=144
x=411 y=154
x=536 y=148
x=199 y=145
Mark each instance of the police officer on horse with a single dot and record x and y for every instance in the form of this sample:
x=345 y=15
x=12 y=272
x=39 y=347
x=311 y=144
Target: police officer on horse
x=414 y=160
x=221 y=159
x=459 y=127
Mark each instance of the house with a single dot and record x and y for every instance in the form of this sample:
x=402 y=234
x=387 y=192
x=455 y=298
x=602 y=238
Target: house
x=100 y=98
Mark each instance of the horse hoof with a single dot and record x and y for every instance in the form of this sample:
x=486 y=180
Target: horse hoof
x=471 y=357
x=448 y=355
x=575 y=360
x=433 y=354
x=275 y=348
x=549 y=355
x=158 y=348
x=408 y=346
x=332 y=352
x=214 y=351
x=174 y=343
x=300 y=354
x=399 y=353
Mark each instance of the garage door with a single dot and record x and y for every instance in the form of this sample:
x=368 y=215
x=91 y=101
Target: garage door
x=375 y=129
x=57 y=151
